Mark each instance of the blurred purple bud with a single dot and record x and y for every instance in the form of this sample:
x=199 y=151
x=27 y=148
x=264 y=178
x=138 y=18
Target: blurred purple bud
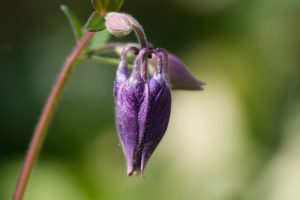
x=180 y=77
x=142 y=111
x=118 y=24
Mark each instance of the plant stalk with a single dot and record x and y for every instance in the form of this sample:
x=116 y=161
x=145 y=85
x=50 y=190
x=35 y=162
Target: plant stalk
x=140 y=33
x=46 y=117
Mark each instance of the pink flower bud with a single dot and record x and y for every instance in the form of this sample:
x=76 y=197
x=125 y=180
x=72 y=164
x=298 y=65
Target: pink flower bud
x=118 y=24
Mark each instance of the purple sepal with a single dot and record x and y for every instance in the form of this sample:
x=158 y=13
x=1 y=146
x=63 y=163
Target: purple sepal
x=180 y=76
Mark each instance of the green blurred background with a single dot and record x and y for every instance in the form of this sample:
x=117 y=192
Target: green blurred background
x=239 y=139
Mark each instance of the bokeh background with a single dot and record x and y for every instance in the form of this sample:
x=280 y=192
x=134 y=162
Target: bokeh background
x=237 y=140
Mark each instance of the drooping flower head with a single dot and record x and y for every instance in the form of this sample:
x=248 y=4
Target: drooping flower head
x=142 y=105
x=143 y=98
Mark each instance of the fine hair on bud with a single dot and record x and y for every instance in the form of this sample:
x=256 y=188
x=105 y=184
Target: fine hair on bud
x=118 y=24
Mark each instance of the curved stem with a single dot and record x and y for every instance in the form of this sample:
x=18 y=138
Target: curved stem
x=144 y=72
x=165 y=58
x=107 y=60
x=139 y=31
x=126 y=50
x=46 y=116
x=105 y=47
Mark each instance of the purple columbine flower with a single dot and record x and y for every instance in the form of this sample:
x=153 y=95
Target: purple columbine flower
x=142 y=105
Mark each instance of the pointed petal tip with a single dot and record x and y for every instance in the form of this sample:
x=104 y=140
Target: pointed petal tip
x=130 y=167
x=130 y=170
x=194 y=85
x=143 y=175
x=135 y=172
x=143 y=167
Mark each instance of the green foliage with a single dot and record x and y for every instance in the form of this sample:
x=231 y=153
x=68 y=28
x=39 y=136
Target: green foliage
x=99 y=39
x=95 y=23
x=73 y=20
x=104 y=6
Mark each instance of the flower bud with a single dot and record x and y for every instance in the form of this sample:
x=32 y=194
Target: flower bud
x=118 y=24
x=142 y=111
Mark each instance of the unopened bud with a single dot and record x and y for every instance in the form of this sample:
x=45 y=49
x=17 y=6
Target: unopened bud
x=118 y=24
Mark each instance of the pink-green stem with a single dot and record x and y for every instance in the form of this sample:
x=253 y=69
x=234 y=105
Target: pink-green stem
x=46 y=116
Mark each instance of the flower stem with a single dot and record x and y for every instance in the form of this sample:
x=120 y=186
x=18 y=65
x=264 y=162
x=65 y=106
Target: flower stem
x=46 y=116
x=107 y=60
x=140 y=34
x=106 y=47
x=139 y=31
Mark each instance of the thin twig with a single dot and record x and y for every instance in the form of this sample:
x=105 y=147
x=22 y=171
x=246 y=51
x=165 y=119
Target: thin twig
x=111 y=47
x=106 y=47
x=46 y=116
x=107 y=60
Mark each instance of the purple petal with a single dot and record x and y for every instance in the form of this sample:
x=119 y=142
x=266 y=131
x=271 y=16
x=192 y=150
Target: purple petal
x=153 y=118
x=128 y=95
x=180 y=77
x=126 y=120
